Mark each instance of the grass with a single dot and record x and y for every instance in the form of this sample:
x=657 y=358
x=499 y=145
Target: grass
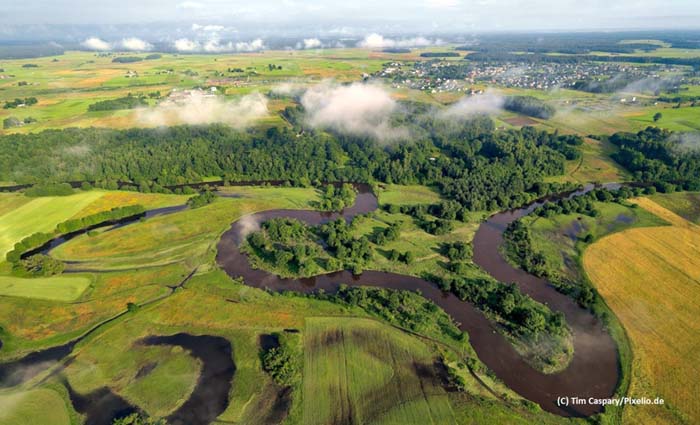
x=39 y=215
x=424 y=246
x=685 y=204
x=360 y=371
x=37 y=406
x=31 y=323
x=558 y=237
x=649 y=278
x=407 y=195
x=57 y=288
x=186 y=235
x=113 y=199
x=595 y=165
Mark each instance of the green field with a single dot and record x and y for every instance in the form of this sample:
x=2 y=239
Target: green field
x=685 y=204
x=33 y=407
x=359 y=371
x=59 y=288
x=407 y=195
x=39 y=215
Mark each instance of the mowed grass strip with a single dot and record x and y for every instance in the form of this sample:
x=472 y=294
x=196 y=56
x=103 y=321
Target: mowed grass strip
x=361 y=371
x=408 y=195
x=40 y=215
x=33 y=407
x=58 y=288
x=650 y=278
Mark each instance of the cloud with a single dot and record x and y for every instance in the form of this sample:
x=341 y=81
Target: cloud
x=312 y=43
x=480 y=104
x=359 y=109
x=190 y=5
x=136 y=44
x=94 y=43
x=208 y=28
x=442 y=4
x=247 y=225
x=289 y=89
x=186 y=45
x=378 y=41
x=199 y=108
x=214 y=45
x=686 y=143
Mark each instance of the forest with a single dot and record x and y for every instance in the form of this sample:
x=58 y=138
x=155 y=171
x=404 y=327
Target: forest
x=473 y=164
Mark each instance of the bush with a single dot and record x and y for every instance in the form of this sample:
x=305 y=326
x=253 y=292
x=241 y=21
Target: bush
x=204 y=198
x=282 y=362
x=41 y=265
x=58 y=189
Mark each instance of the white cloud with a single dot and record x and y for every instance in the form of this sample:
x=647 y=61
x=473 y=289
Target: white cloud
x=198 y=108
x=136 y=44
x=360 y=109
x=190 y=5
x=312 y=43
x=186 y=45
x=251 y=46
x=94 y=43
x=207 y=28
x=442 y=4
x=378 y=41
x=488 y=103
x=214 y=45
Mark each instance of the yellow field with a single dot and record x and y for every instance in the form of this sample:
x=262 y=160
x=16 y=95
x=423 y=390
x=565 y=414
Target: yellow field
x=115 y=199
x=650 y=278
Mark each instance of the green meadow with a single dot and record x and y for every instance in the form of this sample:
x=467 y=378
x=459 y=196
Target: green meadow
x=57 y=288
x=38 y=215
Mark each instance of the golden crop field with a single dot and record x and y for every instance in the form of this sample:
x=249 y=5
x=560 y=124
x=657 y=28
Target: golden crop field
x=650 y=278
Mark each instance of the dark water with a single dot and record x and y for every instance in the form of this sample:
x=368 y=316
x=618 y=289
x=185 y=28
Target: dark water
x=101 y=406
x=593 y=372
x=209 y=399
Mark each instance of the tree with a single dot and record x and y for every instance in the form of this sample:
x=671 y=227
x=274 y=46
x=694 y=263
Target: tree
x=658 y=116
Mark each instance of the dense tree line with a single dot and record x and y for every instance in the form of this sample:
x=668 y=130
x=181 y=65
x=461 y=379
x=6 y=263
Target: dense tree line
x=56 y=189
x=528 y=105
x=127 y=59
x=402 y=308
x=127 y=102
x=27 y=101
x=656 y=156
x=470 y=162
x=520 y=313
x=440 y=55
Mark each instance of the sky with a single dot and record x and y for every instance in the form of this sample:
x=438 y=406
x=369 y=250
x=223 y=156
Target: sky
x=356 y=16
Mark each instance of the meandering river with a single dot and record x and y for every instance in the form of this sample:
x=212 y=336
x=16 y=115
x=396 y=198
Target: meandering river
x=593 y=372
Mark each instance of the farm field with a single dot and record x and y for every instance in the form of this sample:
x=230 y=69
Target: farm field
x=62 y=288
x=684 y=204
x=478 y=281
x=39 y=215
x=358 y=370
x=648 y=277
x=39 y=406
